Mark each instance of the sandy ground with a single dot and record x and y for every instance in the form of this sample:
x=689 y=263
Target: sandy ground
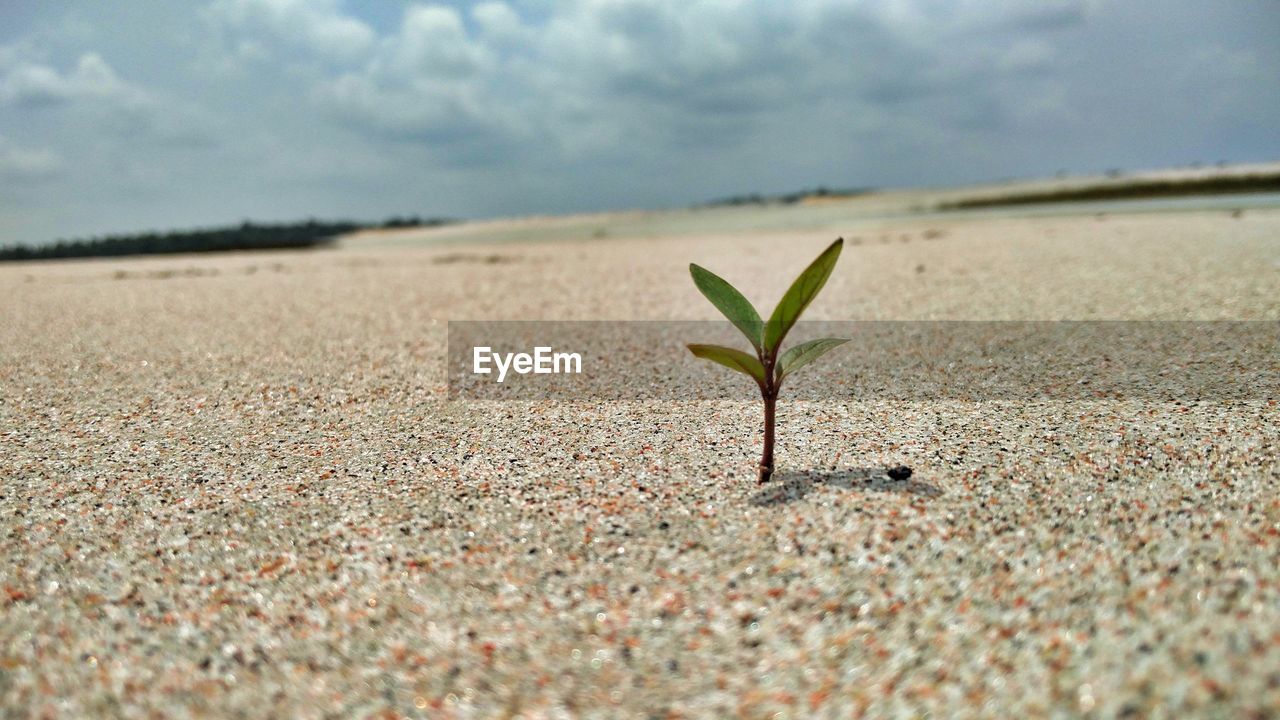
x=869 y=212
x=234 y=486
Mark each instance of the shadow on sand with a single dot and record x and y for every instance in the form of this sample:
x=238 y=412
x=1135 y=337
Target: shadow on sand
x=790 y=486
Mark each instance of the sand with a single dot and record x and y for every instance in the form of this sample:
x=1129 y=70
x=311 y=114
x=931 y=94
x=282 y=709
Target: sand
x=235 y=486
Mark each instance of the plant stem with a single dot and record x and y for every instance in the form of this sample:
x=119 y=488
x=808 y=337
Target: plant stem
x=766 y=459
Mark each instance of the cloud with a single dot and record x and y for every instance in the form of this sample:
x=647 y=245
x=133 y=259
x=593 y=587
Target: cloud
x=30 y=84
x=433 y=43
x=27 y=165
x=509 y=106
x=967 y=17
x=435 y=82
x=593 y=81
x=418 y=108
x=93 y=92
x=593 y=74
x=500 y=24
x=670 y=75
x=1033 y=15
x=316 y=25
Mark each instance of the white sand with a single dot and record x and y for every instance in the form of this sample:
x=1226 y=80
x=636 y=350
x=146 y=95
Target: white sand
x=232 y=485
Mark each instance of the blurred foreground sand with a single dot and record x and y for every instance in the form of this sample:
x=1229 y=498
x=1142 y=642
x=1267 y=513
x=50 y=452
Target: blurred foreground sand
x=232 y=485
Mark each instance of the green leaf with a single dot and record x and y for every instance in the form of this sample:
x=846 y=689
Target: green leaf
x=728 y=301
x=731 y=358
x=799 y=295
x=805 y=353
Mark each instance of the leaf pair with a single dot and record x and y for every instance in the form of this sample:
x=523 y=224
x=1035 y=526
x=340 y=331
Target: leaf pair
x=766 y=337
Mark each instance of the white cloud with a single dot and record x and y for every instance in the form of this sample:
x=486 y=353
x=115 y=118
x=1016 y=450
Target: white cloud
x=317 y=25
x=92 y=79
x=431 y=80
x=499 y=24
x=433 y=43
x=595 y=75
x=619 y=64
x=420 y=107
x=93 y=94
x=26 y=164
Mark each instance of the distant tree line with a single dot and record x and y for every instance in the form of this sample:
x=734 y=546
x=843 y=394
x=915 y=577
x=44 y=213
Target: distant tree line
x=1135 y=189
x=245 y=236
x=785 y=199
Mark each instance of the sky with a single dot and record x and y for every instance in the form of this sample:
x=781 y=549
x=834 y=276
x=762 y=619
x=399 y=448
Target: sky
x=151 y=114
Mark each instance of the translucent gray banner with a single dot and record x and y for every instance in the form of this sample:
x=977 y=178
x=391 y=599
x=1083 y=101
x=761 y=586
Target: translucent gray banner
x=646 y=360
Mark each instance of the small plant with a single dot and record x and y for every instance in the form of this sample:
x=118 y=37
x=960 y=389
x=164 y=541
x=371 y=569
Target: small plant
x=766 y=367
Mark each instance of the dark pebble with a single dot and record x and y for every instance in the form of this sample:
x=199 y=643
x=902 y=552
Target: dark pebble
x=902 y=472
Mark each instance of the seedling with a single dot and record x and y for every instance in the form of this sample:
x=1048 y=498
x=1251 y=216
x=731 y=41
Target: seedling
x=766 y=367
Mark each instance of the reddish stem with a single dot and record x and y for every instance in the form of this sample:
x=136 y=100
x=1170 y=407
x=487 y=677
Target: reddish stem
x=766 y=459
